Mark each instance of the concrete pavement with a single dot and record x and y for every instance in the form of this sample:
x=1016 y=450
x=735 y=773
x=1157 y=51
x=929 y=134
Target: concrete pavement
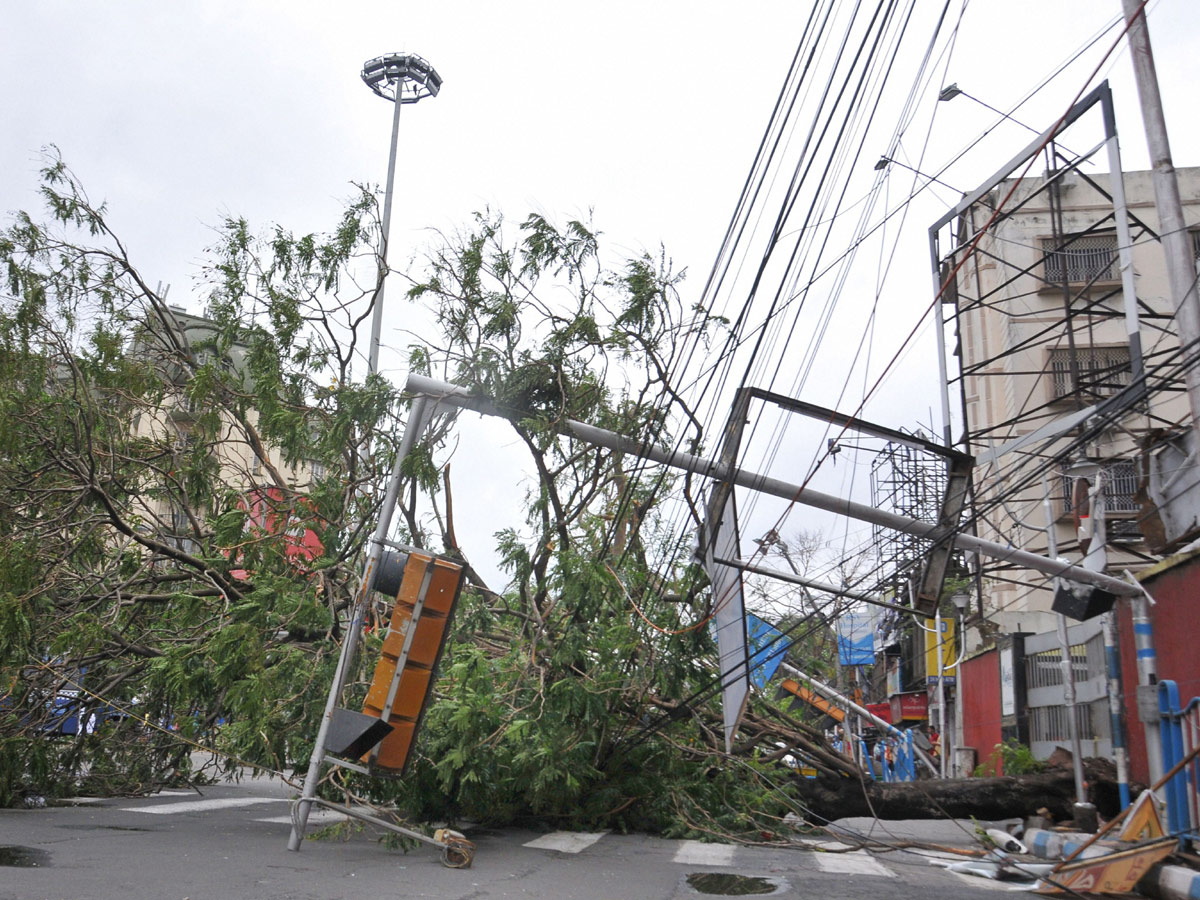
x=230 y=842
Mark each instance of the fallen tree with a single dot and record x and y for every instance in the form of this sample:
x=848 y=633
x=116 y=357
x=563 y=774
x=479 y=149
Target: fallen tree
x=826 y=798
x=986 y=798
x=137 y=560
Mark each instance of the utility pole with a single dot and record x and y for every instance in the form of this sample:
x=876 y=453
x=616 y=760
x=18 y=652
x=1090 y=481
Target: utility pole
x=1176 y=242
x=1181 y=272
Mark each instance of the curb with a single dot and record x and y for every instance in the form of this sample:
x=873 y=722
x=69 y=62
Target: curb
x=1171 y=883
x=1163 y=881
x=1057 y=844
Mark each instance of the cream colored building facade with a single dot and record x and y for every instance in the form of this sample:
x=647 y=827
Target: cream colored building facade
x=1042 y=332
x=246 y=464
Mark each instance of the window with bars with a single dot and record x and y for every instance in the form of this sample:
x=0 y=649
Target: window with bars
x=1044 y=668
x=1080 y=259
x=1120 y=487
x=1052 y=723
x=1103 y=371
x=181 y=529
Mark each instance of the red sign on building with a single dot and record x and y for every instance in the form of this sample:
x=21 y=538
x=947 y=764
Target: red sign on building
x=911 y=705
x=883 y=710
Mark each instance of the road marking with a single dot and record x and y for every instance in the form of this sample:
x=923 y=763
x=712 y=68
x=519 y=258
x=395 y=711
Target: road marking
x=169 y=809
x=317 y=816
x=567 y=841
x=985 y=883
x=698 y=853
x=857 y=862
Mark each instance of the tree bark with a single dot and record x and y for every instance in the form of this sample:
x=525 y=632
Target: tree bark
x=829 y=798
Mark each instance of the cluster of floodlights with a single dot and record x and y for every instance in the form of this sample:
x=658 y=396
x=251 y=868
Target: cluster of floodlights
x=405 y=77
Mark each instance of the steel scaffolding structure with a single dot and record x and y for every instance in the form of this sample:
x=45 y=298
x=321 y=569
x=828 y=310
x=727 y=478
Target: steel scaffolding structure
x=912 y=483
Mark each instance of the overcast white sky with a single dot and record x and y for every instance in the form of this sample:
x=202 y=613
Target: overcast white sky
x=649 y=113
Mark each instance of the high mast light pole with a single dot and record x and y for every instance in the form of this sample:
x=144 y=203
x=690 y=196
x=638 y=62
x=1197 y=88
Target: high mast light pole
x=401 y=78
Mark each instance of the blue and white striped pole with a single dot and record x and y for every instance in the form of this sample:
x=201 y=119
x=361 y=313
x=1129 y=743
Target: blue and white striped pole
x=1112 y=661
x=1147 y=668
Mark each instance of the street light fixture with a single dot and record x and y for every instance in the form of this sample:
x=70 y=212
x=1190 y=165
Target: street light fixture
x=885 y=161
x=401 y=78
x=950 y=91
x=1082 y=466
x=404 y=73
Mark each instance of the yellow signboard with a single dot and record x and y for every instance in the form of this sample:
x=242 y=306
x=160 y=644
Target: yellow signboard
x=1143 y=821
x=944 y=641
x=1117 y=873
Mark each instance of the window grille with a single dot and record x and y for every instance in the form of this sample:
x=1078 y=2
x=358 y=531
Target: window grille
x=1103 y=371
x=1051 y=723
x=1120 y=486
x=1044 y=669
x=1080 y=259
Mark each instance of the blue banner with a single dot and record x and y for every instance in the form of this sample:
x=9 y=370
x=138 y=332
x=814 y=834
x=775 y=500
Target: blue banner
x=856 y=639
x=767 y=647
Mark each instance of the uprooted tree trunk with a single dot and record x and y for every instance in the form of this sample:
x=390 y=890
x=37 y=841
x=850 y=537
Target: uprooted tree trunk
x=982 y=798
x=828 y=797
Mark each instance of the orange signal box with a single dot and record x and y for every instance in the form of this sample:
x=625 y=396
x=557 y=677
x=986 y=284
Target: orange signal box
x=411 y=649
x=813 y=699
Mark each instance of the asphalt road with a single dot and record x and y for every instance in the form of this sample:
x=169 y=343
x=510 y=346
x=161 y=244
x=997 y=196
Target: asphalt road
x=231 y=842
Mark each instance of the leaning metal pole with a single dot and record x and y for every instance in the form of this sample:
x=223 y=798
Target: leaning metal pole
x=1172 y=227
x=862 y=712
x=416 y=424
x=1181 y=272
x=454 y=395
x=1068 y=662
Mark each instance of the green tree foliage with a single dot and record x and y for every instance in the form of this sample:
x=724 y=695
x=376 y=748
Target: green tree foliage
x=156 y=474
x=154 y=480
x=564 y=695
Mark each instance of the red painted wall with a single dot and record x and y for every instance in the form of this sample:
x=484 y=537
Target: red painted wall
x=979 y=702
x=1175 y=619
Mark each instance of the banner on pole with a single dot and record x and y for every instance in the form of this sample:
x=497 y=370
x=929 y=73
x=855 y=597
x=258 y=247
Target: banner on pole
x=729 y=611
x=940 y=642
x=856 y=638
x=767 y=647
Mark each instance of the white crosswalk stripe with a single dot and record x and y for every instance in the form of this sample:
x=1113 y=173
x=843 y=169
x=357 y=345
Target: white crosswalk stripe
x=566 y=841
x=318 y=816
x=168 y=809
x=857 y=862
x=697 y=853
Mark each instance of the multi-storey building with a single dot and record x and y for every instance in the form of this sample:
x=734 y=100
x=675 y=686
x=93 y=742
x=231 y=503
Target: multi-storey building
x=1045 y=333
x=271 y=487
x=1068 y=362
